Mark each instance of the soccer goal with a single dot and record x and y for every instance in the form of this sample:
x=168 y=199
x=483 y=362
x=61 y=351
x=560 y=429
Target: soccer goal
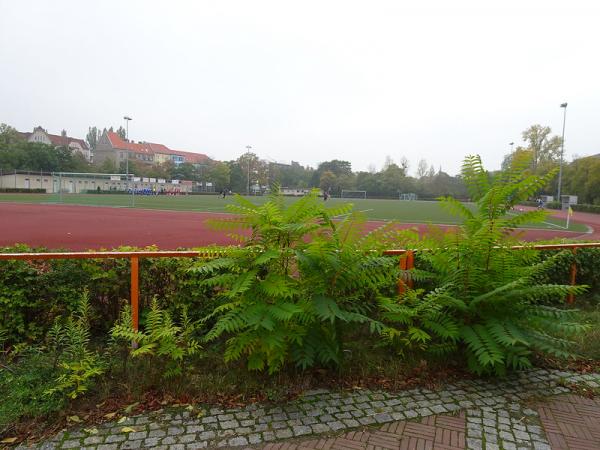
x=353 y=194
x=408 y=196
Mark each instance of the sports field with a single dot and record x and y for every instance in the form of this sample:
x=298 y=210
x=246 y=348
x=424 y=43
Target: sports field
x=402 y=211
x=96 y=221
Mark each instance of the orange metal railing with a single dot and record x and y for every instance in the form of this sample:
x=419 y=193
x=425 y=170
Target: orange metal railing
x=407 y=262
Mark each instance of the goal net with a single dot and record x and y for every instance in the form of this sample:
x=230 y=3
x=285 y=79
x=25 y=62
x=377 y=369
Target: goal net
x=408 y=196
x=353 y=194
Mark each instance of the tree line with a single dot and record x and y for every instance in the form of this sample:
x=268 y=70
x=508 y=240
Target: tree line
x=581 y=177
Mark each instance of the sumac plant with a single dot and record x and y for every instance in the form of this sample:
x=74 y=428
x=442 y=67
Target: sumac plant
x=304 y=275
x=495 y=299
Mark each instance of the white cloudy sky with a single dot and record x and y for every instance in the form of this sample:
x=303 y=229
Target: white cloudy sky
x=307 y=80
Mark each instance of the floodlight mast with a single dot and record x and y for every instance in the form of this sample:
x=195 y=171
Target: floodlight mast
x=127 y=119
x=248 y=148
x=562 y=150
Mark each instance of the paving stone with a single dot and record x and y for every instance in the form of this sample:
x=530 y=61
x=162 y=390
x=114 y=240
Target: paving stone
x=229 y=424
x=107 y=447
x=284 y=433
x=320 y=428
x=255 y=438
x=92 y=440
x=268 y=436
x=238 y=441
x=301 y=430
x=474 y=444
x=131 y=445
x=206 y=435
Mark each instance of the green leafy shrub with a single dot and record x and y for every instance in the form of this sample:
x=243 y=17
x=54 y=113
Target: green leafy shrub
x=300 y=278
x=77 y=364
x=23 y=388
x=34 y=293
x=491 y=297
x=161 y=341
x=587 y=208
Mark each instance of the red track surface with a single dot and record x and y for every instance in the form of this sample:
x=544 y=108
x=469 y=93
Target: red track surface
x=85 y=227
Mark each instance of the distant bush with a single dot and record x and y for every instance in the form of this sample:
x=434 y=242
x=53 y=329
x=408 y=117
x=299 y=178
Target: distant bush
x=587 y=208
x=22 y=191
x=34 y=293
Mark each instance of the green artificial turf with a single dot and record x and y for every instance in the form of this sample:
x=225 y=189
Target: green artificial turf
x=402 y=211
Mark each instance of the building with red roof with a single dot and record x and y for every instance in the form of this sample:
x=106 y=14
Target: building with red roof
x=112 y=146
x=42 y=136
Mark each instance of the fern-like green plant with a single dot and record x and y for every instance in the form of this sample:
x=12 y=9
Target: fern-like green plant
x=491 y=298
x=304 y=274
x=161 y=339
x=77 y=363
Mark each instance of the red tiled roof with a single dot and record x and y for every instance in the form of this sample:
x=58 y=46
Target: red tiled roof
x=119 y=143
x=190 y=157
x=66 y=140
x=152 y=148
x=159 y=148
x=56 y=139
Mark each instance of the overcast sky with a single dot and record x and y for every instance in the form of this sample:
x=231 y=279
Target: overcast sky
x=307 y=80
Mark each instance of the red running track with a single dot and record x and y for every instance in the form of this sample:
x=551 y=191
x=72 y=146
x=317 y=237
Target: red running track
x=72 y=227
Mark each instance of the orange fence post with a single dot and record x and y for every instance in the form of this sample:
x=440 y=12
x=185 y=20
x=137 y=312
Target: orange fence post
x=407 y=262
x=410 y=264
x=135 y=292
x=401 y=285
x=571 y=298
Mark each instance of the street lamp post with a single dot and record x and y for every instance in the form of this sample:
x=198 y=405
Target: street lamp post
x=562 y=150
x=512 y=146
x=248 y=147
x=127 y=119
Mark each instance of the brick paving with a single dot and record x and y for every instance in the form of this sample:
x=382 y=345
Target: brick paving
x=434 y=432
x=571 y=422
x=471 y=414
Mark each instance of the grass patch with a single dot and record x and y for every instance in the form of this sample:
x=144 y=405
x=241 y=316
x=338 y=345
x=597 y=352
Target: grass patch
x=375 y=209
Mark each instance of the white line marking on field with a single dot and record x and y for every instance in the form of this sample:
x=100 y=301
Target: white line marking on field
x=347 y=214
x=547 y=223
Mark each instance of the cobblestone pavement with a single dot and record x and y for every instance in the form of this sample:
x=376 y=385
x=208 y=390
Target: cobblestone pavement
x=472 y=414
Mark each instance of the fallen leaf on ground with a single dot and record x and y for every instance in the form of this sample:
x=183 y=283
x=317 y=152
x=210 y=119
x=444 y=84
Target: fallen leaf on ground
x=74 y=419
x=10 y=440
x=128 y=430
x=130 y=408
x=110 y=415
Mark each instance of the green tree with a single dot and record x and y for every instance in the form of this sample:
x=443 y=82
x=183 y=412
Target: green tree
x=545 y=148
x=92 y=137
x=121 y=132
x=328 y=181
x=336 y=167
x=8 y=136
x=219 y=174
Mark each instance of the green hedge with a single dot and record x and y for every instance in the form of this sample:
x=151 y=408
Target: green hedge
x=587 y=208
x=34 y=293
x=23 y=190
x=556 y=205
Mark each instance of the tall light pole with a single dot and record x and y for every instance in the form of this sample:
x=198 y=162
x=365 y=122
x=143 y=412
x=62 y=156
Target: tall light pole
x=248 y=147
x=512 y=146
x=127 y=119
x=562 y=150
